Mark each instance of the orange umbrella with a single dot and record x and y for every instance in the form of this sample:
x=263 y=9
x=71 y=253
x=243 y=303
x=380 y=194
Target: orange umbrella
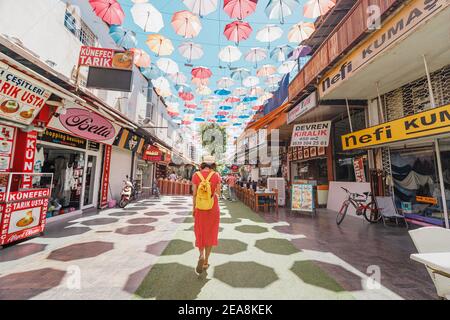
x=186 y=24
x=160 y=44
x=141 y=58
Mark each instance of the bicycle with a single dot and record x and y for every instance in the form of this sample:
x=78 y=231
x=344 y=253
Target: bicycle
x=359 y=202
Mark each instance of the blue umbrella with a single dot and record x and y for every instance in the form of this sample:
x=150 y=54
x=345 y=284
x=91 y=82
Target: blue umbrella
x=123 y=37
x=151 y=72
x=222 y=92
x=225 y=107
x=219 y=116
x=222 y=120
x=244 y=116
x=237 y=124
x=189 y=111
x=281 y=53
x=199 y=119
x=279 y=9
x=183 y=88
x=249 y=99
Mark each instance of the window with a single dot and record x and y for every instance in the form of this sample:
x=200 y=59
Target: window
x=70 y=23
x=86 y=35
x=78 y=28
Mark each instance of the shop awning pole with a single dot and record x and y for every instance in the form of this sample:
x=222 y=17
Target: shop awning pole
x=379 y=102
x=349 y=116
x=430 y=87
x=441 y=182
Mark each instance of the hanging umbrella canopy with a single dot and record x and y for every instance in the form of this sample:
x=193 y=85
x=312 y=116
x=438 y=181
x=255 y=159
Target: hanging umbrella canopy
x=273 y=80
x=186 y=24
x=222 y=92
x=230 y=54
x=109 y=11
x=239 y=9
x=167 y=65
x=201 y=73
x=249 y=99
x=151 y=72
x=240 y=91
x=300 y=52
x=250 y=81
x=147 y=17
x=141 y=58
x=203 y=90
x=315 y=8
x=266 y=70
x=199 y=82
x=139 y=1
x=171 y=99
x=183 y=87
x=225 y=107
x=201 y=7
x=256 y=91
x=123 y=37
x=178 y=78
x=279 y=9
x=225 y=82
x=232 y=99
x=300 y=32
x=287 y=66
x=191 y=106
x=199 y=119
x=281 y=53
x=237 y=31
x=269 y=34
x=255 y=55
x=190 y=50
x=239 y=74
x=159 y=44
x=186 y=96
x=161 y=83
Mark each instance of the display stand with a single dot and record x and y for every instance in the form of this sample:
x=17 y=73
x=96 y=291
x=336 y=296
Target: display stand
x=303 y=198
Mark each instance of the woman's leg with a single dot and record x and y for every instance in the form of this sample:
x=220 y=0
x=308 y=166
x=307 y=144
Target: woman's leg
x=202 y=253
x=207 y=253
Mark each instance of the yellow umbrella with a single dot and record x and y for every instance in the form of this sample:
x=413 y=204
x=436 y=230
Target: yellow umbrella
x=300 y=31
x=160 y=44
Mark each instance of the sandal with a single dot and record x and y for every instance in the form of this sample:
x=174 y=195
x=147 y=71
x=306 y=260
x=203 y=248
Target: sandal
x=199 y=268
x=205 y=266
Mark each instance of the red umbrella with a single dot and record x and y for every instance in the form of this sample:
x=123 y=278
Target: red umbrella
x=109 y=11
x=237 y=31
x=190 y=105
x=201 y=73
x=186 y=96
x=232 y=99
x=239 y=9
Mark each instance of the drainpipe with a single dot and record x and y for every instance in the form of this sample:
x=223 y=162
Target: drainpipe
x=348 y=113
x=430 y=87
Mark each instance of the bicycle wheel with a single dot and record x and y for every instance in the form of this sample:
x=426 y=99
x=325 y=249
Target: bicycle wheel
x=341 y=214
x=371 y=213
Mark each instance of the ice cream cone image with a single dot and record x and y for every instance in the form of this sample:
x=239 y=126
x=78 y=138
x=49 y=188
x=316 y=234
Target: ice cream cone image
x=27 y=220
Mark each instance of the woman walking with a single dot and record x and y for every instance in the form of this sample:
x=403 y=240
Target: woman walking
x=206 y=221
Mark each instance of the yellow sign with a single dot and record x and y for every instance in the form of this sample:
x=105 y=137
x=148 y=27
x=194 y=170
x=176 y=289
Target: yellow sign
x=404 y=22
x=423 y=124
x=429 y=200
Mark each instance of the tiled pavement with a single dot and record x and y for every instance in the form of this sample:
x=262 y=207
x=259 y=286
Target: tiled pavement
x=146 y=251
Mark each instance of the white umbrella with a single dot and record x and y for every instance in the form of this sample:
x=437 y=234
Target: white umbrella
x=250 y=81
x=266 y=70
x=273 y=80
x=255 y=55
x=161 y=83
x=287 y=67
x=269 y=33
x=147 y=17
x=178 y=78
x=240 y=91
x=300 y=32
x=201 y=7
x=240 y=74
x=139 y=1
x=315 y=8
x=230 y=54
x=225 y=82
x=256 y=91
x=190 y=50
x=203 y=90
x=167 y=65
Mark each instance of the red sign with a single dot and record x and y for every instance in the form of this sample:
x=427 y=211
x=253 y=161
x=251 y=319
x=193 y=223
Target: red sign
x=105 y=176
x=25 y=218
x=28 y=165
x=152 y=154
x=106 y=58
x=358 y=165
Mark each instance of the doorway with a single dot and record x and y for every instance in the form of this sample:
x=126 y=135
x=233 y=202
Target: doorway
x=91 y=181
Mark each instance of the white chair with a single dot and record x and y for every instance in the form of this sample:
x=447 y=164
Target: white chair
x=431 y=240
x=388 y=210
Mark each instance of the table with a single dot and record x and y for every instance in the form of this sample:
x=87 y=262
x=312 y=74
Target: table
x=439 y=262
x=269 y=194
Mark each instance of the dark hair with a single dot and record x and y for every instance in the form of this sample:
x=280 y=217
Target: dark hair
x=204 y=165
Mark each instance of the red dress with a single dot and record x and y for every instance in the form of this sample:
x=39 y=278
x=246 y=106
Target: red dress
x=206 y=222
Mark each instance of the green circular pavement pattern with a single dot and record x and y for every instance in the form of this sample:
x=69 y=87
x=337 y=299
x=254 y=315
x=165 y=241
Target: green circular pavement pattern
x=311 y=274
x=177 y=247
x=251 y=229
x=230 y=246
x=276 y=246
x=245 y=274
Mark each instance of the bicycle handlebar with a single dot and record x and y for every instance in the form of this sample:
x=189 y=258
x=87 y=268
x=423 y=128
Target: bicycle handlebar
x=354 y=194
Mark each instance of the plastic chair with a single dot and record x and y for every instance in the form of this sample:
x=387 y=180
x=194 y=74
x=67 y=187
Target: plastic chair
x=388 y=210
x=431 y=240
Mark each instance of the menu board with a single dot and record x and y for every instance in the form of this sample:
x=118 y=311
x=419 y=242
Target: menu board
x=302 y=197
x=6 y=147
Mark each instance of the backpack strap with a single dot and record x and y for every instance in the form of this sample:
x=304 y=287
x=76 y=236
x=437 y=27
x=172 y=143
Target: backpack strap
x=201 y=176
x=208 y=178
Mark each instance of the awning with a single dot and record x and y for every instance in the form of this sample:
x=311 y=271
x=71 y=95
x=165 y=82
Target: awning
x=127 y=139
x=260 y=123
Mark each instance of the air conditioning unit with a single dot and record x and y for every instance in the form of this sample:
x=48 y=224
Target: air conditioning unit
x=280 y=185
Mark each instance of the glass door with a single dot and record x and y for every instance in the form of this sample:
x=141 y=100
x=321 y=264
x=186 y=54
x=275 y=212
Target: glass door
x=90 y=181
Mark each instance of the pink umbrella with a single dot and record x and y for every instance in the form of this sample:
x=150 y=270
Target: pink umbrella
x=186 y=24
x=109 y=11
x=239 y=9
x=141 y=58
x=201 y=73
x=200 y=82
x=190 y=105
x=237 y=31
x=315 y=8
x=232 y=99
x=186 y=96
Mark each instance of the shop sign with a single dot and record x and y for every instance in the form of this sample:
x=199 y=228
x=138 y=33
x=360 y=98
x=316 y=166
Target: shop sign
x=105 y=176
x=28 y=165
x=311 y=134
x=6 y=147
x=106 y=58
x=427 y=123
x=428 y=200
x=20 y=99
x=302 y=197
x=358 y=165
x=152 y=153
x=86 y=124
x=93 y=146
x=130 y=141
x=408 y=18
x=62 y=138
x=302 y=107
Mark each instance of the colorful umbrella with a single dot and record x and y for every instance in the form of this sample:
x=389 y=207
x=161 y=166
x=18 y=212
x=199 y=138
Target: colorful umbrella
x=161 y=83
x=249 y=99
x=182 y=87
x=256 y=91
x=109 y=11
x=203 y=90
x=147 y=17
x=281 y=53
x=139 y=1
x=190 y=50
x=222 y=92
x=233 y=99
x=199 y=119
x=186 y=24
x=269 y=33
x=273 y=87
x=201 y=73
x=240 y=91
x=239 y=9
x=279 y=9
x=273 y=80
x=225 y=82
x=225 y=107
x=159 y=45
x=287 y=66
x=123 y=37
x=237 y=31
x=266 y=70
x=141 y=58
x=167 y=65
x=255 y=55
x=151 y=72
x=250 y=81
x=315 y=8
x=300 y=52
x=199 y=82
x=201 y=7
x=230 y=54
x=178 y=78
x=239 y=74
x=186 y=96
x=190 y=105
x=300 y=32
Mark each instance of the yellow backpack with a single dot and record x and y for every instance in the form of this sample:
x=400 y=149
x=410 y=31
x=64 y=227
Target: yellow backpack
x=204 y=199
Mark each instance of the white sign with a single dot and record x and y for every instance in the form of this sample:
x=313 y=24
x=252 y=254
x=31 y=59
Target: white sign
x=305 y=105
x=311 y=134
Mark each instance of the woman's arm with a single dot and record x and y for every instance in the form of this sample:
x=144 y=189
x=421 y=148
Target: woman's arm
x=194 y=194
